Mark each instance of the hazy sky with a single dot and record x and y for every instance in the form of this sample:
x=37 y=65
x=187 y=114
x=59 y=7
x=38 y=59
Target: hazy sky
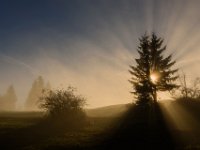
x=90 y=44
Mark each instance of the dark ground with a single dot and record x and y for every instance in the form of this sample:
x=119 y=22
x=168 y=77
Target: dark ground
x=138 y=128
x=142 y=128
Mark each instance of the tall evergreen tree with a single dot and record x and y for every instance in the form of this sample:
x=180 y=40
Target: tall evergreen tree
x=9 y=99
x=153 y=72
x=35 y=93
x=48 y=86
x=140 y=73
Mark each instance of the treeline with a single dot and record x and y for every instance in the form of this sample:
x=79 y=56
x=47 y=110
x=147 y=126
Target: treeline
x=8 y=101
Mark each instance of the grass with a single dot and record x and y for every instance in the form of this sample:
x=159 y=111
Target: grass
x=20 y=131
x=18 y=119
x=139 y=128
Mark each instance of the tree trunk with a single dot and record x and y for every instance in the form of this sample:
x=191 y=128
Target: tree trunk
x=155 y=94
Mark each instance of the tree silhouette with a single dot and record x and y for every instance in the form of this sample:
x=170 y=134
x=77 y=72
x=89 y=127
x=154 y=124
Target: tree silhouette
x=11 y=98
x=8 y=100
x=35 y=93
x=187 y=92
x=63 y=107
x=48 y=86
x=153 y=72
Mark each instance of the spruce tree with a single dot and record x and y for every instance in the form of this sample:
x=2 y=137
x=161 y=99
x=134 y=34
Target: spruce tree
x=34 y=94
x=11 y=98
x=140 y=72
x=8 y=100
x=153 y=72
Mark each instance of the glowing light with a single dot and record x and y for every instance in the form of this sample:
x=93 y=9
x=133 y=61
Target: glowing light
x=154 y=77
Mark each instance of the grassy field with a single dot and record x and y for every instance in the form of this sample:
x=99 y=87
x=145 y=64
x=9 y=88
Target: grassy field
x=108 y=111
x=137 y=127
x=19 y=130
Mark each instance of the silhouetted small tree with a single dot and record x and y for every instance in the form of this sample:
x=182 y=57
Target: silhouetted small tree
x=63 y=107
x=153 y=72
x=187 y=91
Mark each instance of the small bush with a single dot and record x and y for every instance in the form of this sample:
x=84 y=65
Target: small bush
x=64 y=108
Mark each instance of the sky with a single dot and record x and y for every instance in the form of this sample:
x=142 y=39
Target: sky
x=89 y=44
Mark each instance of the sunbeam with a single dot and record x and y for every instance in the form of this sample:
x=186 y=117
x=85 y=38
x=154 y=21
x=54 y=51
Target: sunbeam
x=183 y=124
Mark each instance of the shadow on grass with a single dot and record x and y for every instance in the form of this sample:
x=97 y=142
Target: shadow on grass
x=141 y=127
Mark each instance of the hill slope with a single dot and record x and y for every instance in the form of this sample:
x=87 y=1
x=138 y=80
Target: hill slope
x=108 y=111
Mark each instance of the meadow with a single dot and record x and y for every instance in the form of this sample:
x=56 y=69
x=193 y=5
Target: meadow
x=21 y=130
x=136 y=127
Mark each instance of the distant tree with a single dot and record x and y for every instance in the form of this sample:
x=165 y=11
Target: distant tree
x=8 y=100
x=1 y=103
x=194 y=91
x=35 y=93
x=48 y=86
x=183 y=86
x=63 y=106
x=187 y=91
x=11 y=98
x=153 y=72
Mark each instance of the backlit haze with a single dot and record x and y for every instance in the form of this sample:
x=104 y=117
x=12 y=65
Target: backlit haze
x=90 y=44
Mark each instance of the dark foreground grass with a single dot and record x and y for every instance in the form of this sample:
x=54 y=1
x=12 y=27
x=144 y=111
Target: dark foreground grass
x=133 y=129
x=27 y=131
x=142 y=127
x=139 y=128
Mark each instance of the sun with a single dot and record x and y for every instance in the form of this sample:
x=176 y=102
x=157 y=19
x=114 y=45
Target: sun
x=154 y=77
